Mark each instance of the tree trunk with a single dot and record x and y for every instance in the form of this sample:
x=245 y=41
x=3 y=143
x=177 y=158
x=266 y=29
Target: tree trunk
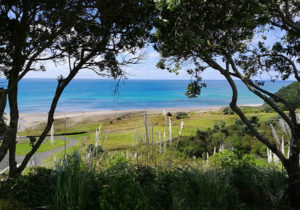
x=13 y=127
x=3 y=97
x=294 y=185
x=293 y=170
x=5 y=143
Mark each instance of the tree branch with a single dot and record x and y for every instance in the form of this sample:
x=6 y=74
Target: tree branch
x=236 y=109
x=251 y=87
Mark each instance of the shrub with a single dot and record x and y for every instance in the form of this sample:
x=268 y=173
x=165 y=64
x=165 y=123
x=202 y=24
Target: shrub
x=34 y=190
x=181 y=115
x=156 y=185
x=94 y=151
x=266 y=108
x=195 y=189
x=121 y=190
x=169 y=114
x=11 y=204
x=227 y=110
x=190 y=147
x=259 y=185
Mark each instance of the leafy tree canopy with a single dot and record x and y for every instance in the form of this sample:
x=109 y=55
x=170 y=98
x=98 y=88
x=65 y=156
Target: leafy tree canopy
x=241 y=40
x=85 y=34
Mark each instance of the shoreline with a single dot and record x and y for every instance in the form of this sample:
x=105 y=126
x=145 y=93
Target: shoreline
x=29 y=120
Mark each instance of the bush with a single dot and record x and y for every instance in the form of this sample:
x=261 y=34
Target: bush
x=169 y=114
x=181 y=115
x=121 y=190
x=195 y=189
x=11 y=204
x=190 y=147
x=156 y=185
x=94 y=151
x=266 y=108
x=34 y=189
x=259 y=185
x=227 y=110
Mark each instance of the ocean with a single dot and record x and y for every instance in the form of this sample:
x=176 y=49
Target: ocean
x=35 y=95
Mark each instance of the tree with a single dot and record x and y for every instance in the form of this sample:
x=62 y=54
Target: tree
x=219 y=35
x=2 y=127
x=85 y=34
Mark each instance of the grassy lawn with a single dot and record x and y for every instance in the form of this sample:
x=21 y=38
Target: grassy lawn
x=24 y=147
x=122 y=129
x=121 y=132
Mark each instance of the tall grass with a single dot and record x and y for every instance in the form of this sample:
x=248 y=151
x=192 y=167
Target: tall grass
x=74 y=184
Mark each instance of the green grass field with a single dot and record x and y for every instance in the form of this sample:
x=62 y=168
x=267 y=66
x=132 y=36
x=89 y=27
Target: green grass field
x=24 y=147
x=122 y=129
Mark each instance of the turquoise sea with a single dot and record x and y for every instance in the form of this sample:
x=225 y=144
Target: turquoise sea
x=35 y=95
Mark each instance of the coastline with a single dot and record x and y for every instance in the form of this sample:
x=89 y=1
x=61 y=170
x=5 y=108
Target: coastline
x=30 y=120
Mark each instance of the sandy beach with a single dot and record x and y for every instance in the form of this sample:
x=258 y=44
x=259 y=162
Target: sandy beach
x=30 y=120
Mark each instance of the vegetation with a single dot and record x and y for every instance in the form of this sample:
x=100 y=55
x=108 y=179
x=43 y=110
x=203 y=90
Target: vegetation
x=166 y=162
x=220 y=36
x=83 y=34
x=290 y=93
x=181 y=115
x=227 y=110
x=229 y=183
x=178 y=179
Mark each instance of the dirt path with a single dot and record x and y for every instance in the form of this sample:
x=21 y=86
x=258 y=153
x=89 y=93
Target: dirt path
x=37 y=159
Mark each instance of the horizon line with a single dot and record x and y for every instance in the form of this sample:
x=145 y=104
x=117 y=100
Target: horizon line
x=147 y=79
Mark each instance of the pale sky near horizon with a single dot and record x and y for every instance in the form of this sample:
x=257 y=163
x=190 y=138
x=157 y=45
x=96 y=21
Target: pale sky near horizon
x=145 y=70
